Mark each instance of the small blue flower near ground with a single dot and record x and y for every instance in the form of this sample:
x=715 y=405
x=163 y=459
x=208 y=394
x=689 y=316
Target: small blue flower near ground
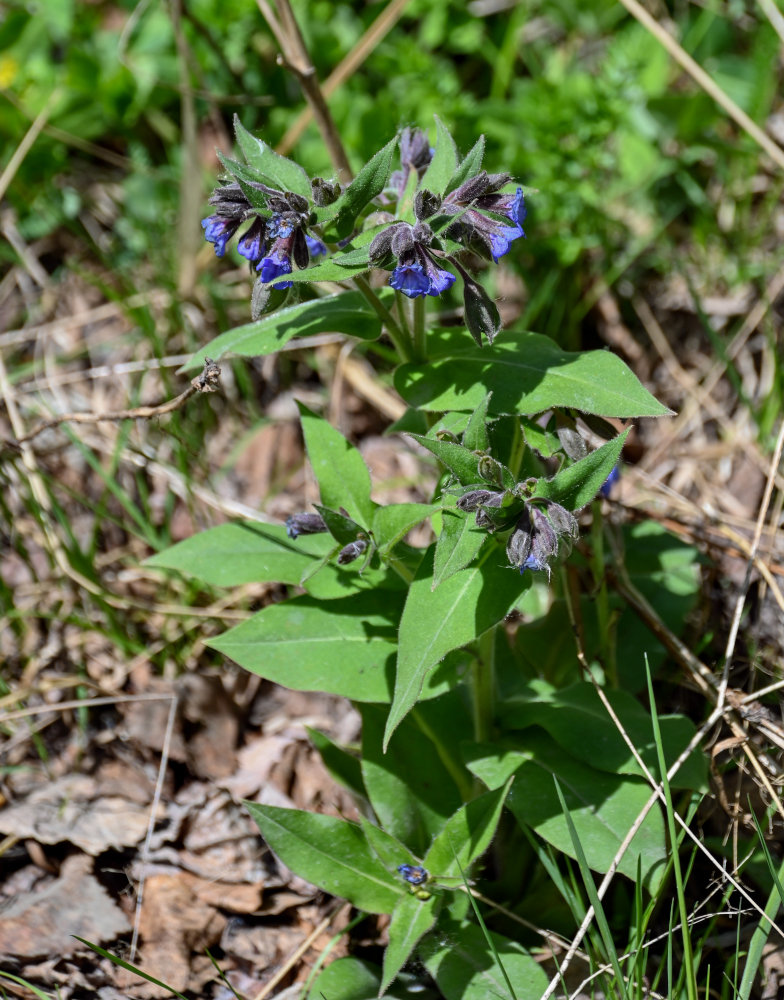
x=610 y=481
x=414 y=874
x=273 y=267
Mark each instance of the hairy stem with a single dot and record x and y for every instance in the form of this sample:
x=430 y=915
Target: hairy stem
x=402 y=343
x=483 y=675
x=420 y=338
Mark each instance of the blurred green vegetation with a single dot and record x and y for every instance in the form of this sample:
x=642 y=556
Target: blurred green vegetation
x=631 y=168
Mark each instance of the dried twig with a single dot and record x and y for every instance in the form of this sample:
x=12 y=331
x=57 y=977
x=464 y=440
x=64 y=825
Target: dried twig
x=208 y=381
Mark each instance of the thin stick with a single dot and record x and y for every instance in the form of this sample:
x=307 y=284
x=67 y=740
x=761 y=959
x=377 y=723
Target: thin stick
x=296 y=57
x=776 y=153
x=151 y=823
x=206 y=382
x=292 y=960
x=26 y=144
x=344 y=69
x=732 y=638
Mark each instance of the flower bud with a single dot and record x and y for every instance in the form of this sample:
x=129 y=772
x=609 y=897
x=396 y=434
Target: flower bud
x=426 y=204
x=572 y=443
x=481 y=313
x=324 y=192
x=381 y=245
x=352 y=551
x=479 y=498
x=490 y=470
x=305 y=524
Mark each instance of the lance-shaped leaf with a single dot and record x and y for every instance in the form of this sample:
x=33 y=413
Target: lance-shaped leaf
x=578 y=484
x=392 y=522
x=437 y=621
x=527 y=373
x=470 y=166
x=331 y=853
x=457 y=546
x=476 y=437
x=466 y=835
x=412 y=918
x=340 y=470
x=442 y=167
x=368 y=183
x=273 y=169
x=346 y=312
x=461 y=462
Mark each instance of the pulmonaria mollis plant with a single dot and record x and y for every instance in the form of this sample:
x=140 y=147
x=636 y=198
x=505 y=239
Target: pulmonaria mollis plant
x=415 y=635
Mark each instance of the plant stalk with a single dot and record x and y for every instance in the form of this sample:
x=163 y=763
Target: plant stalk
x=420 y=335
x=402 y=343
x=483 y=676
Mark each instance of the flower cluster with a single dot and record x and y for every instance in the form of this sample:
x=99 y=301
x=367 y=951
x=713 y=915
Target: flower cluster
x=478 y=206
x=542 y=531
x=273 y=239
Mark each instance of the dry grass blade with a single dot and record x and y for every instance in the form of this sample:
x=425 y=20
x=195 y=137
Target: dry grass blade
x=776 y=153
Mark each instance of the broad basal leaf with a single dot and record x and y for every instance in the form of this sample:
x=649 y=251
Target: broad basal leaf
x=527 y=373
x=603 y=806
x=345 y=646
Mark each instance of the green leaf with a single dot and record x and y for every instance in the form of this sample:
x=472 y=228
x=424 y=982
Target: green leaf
x=354 y=979
x=603 y=806
x=543 y=441
x=462 y=965
x=442 y=167
x=392 y=522
x=476 y=437
x=342 y=475
x=273 y=169
x=343 y=647
x=388 y=849
x=409 y=786
x=368 y=183
x=460 y=461
x=343 y=529
x=249 y=552
x=576 y=718
x=346 y=312
x=437 y=621
x=412 y=918
x=466 y=835
x=527 y=373
x=243 y=552
x=457 y=546
x=343 y=766
x=576 y=485
x=329 y=852
x=471 y=165
x=330 y=270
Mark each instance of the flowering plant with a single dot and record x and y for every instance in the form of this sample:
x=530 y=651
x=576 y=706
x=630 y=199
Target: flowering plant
x=426 y=639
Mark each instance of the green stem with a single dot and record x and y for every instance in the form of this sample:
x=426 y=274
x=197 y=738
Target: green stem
x=602 y=597
x=402 y=343
x=517 y=450
x=402 y=302
x=420 y=337
x=483 y=675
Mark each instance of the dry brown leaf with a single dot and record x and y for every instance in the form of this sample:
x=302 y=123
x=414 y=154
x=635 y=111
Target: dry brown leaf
x=44 y=922
x=69 y=809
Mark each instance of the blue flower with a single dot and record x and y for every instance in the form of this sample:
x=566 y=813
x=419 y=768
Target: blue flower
x=411 y=280
x=440 y=280
x=414 y=874
x=273 y=267
x=219 y=230
x=315 y=246
x=251 y=243
x=610 y=481
x=500 y=239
